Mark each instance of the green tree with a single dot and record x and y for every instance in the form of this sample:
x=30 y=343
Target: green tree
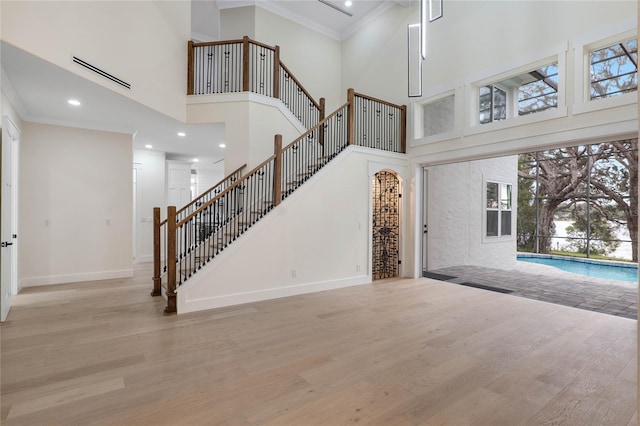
x=526 y=220
x=601 y=236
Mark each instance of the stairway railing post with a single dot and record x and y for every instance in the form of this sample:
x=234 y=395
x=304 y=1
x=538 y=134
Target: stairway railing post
x=403 y=129
x=320 y=118
x=276 y=72
x=171 y=260
x=277 y=170
x=190 y=70
x=157 y=289
x=245 y=64
x=350 y=116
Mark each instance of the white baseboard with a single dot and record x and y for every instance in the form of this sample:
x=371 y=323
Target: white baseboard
x=74 y=278
x=191 y=305
x=144 y=259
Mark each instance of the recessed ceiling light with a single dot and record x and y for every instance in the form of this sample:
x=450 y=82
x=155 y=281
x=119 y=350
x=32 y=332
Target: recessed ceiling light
x=222 y=145
x=182 y=134
x=148 y=146
x=348 y=3
x=74 y=102
x=195 y=160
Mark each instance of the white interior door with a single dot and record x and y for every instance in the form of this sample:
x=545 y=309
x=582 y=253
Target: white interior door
x=178 y=183
x=425 y=222
x=8 y=217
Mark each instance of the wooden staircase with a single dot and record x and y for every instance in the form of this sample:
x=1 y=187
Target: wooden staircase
x=189 y=238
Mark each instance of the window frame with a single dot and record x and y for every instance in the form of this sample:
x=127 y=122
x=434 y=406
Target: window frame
x=499 y=209
x=583 y=47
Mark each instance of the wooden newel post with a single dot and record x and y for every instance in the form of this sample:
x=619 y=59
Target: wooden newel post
x=277 y=170
x=276 y=72
x=171 y=260
x=403 y=129
x=320 y=118
x=245 y=64
x=350 y=117
x=157 y=290
x=190 y=67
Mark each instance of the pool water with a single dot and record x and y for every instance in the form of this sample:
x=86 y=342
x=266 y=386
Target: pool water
x=587 y=267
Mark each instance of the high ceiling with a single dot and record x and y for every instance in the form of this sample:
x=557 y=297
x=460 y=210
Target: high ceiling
x=330 y=17
x=42 y=89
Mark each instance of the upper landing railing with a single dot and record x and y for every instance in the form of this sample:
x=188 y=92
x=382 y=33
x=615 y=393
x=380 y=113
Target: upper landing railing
x=249 y=66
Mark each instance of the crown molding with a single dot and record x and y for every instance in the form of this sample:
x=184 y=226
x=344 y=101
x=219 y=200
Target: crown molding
x=12 y=95
x=272 y=7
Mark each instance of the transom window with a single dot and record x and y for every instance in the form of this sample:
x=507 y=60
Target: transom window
x=498 y=209
x=614 y=69
x=541 y=93
x=493 y=104
x=527 y=93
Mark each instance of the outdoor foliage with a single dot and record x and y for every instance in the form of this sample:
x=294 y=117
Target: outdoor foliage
x=603 y=175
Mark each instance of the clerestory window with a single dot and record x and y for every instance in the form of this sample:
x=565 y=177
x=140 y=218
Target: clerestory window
x=614 y=70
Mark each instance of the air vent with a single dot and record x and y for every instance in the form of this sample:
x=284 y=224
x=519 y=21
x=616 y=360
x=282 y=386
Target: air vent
x=101 y=72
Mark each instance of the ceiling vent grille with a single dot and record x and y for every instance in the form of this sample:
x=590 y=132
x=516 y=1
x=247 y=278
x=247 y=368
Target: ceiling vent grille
x=101 y=72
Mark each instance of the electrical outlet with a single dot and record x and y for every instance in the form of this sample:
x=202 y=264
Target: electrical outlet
x=108 y=222
x=357 y=268
x=293 y=273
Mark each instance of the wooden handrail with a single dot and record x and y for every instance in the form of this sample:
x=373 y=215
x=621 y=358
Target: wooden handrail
x=316 y=104
x=314 y=128
x=360 y=95
x=211 y=189
x=162 y=223
x=217 y=43
x=266 y=46
x=220 y=195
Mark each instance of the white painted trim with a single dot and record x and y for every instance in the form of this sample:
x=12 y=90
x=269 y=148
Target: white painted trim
x=365 y=20
x=186 y=305
x=248 y=97
x=74 y=278
x=144 y=259
x=14 y=99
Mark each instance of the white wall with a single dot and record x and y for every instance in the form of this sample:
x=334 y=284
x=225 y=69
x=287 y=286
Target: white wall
x=75 y=205
x=237 y=22
x=317 y=239
x=151 y=190
x=208 y=176
x=374 y=58
x=455 y=206
x=312 y=57
x=205 y=20
x=251 y=143
x=131 y=40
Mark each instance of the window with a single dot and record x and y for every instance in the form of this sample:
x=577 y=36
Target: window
x=523 y=94
x=539 y=90
x=499 y=210
x=439 y=116
x=614 y=70
x=493 y=104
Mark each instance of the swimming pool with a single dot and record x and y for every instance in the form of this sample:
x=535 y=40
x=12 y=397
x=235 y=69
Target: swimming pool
x=589 y=267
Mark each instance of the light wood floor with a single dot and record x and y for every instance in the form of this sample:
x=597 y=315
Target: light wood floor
x=403 y=352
